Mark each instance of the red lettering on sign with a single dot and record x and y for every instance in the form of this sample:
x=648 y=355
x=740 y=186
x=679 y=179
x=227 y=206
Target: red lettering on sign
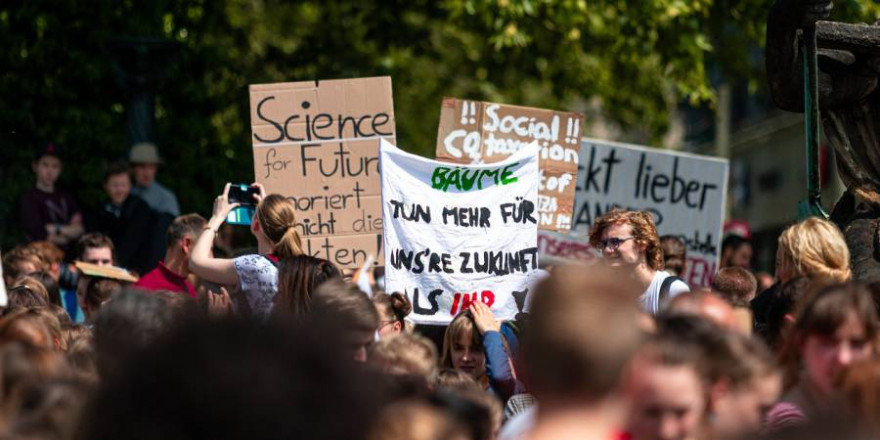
x=699 y=272
x=466 y=299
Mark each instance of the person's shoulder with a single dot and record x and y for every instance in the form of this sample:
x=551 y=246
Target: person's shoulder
x=164 y=190
x=147 y=279
x=136 y=202
x=676 y=286
x=252 y=261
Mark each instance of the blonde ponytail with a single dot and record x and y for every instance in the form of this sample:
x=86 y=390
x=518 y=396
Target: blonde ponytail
x=277 y=217
x=290 y=244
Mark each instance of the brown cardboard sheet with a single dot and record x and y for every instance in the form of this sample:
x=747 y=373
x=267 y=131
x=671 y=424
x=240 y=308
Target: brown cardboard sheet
x=317 y=142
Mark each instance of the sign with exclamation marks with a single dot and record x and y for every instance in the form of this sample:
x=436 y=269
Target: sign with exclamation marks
x=475 y=132
x=468 y=113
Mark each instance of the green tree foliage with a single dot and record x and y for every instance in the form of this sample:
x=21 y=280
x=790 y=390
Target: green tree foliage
x=59 y=81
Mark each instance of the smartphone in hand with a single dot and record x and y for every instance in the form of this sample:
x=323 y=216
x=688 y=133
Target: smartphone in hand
x=241 y=215
x=243 y=194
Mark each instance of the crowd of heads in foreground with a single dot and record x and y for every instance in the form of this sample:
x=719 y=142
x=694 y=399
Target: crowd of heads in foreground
x=278 y=344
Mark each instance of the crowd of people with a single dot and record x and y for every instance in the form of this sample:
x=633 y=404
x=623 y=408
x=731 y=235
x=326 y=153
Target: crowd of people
x=279 y=344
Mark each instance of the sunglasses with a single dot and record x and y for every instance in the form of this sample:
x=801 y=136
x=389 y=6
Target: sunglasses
x=612 y=243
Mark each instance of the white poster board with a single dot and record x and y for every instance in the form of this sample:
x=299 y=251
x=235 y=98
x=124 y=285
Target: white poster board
x=685 y=193
x=456 y=234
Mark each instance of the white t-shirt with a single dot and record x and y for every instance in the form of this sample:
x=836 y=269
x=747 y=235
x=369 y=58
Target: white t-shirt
x=519 y=425
x=258 y=278
x=650 y=299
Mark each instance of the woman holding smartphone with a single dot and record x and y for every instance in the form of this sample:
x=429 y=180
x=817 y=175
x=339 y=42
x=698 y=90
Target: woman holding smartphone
x=273 y=225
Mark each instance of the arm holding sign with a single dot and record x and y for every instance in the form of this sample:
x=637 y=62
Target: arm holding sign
x=202 y=262
x=499 y=369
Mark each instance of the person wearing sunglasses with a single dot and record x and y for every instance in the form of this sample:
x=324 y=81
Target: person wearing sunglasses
x=629 y=243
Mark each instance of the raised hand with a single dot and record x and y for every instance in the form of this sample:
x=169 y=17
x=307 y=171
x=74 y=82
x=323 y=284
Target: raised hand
x=222 y=207
x=483 y=318
x=262 y=195
x=219 y=305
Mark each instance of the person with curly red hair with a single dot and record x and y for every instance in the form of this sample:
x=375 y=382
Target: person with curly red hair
x=629 y=243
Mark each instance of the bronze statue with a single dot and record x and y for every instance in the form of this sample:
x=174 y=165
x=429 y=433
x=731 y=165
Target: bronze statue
x=849 y=101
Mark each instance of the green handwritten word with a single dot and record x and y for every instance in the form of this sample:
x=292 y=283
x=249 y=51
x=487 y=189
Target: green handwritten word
x=464 y=179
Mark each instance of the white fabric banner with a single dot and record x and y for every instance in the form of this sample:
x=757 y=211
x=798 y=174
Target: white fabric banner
x=455 y=234
x=684 y=192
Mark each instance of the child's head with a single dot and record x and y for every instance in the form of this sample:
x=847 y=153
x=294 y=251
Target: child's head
x=463 y=348
x=834 y=328
x=47 y=165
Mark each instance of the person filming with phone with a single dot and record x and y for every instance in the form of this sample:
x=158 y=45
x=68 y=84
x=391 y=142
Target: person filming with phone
x=273 y=224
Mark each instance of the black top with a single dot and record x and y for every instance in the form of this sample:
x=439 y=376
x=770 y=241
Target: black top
x=130 y=227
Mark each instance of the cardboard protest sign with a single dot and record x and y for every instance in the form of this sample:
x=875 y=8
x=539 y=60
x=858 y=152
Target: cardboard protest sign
x=473 y=132
x=459 y=234
x=111 y=272
x=318 y=143
x=684 y=192
x=558 y=248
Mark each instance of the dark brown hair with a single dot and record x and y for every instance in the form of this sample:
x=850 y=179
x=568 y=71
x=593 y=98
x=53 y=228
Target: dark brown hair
x=674 y=254
x=51 y=285
x=93 y=240
x=860 y=386
x=643 y=230
x=98 y=291
x=395 y=304
x=735 y=285
x=821 y=314
x=115 y=168
x=298 y=277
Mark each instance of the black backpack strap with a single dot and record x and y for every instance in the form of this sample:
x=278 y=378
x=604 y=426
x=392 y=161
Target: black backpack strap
x=664 y=290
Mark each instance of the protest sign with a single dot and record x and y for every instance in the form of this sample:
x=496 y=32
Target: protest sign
x=559 y=248
x=111 y=272
x=318 y=143
x=473 y=132
x=459 y=234
x=685 y=193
